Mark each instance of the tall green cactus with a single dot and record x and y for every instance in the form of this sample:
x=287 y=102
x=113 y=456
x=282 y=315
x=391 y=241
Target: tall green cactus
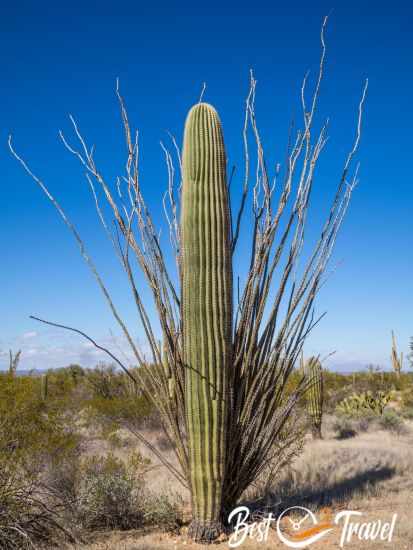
x=44 y=386
x=206 y=313
x=396 y=358
x=315 y=395
x=14 y=362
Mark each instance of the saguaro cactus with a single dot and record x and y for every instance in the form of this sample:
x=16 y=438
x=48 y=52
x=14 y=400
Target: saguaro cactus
x=14 y=362
x=396 y=359
x=315 y=395
x=44 y=386
x=206 y=313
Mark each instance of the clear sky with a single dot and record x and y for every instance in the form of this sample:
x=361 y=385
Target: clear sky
x=60 y=59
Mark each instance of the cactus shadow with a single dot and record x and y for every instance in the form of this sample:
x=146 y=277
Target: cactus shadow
x=361 y=484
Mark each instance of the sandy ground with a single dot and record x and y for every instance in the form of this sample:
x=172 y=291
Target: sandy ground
x=373 y=510
x=370 y=473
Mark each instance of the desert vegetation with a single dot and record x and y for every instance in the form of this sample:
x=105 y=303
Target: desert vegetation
x=75 y=474
x=225 y=408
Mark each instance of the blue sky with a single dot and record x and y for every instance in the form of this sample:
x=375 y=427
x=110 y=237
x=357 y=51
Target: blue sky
x=60 y=60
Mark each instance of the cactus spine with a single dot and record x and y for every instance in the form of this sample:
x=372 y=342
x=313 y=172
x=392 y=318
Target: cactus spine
x=206 y=313
x=315 y=395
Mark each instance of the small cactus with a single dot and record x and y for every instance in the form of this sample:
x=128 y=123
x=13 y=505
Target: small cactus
x=14 y=362
x=315 y=395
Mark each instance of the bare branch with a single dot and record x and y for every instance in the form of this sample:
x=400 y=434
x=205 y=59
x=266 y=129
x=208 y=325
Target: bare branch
x=92 y=341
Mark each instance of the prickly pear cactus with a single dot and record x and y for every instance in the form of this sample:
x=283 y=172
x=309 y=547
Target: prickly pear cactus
x=206 y=313
x=364 y=403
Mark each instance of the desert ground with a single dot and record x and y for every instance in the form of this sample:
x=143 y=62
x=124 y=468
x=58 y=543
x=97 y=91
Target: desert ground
x=76 y=476
x=370 y=473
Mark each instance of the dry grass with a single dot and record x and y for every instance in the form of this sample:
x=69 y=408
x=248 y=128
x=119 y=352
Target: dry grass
x=371 y=473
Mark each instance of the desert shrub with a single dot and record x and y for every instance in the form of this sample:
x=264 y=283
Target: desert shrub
x=374 y=380
x=105 y=382
x=407 y=398
x=404 y=382
x=30 y=426
x=163 y=511
x=28 y=513
x=364 y=422
x=407 y=413
x=114 y=440
x=347 y=426
x=334 y=396
x=391 y=422
x=111 y=493
x=110 y=414
x=334 y=381
x=115 y=402
x=62 y=478
x=33 y=435
x=163 y=443
x=344 y=427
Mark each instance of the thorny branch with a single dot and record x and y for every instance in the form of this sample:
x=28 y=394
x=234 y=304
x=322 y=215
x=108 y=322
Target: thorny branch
x=275 y=306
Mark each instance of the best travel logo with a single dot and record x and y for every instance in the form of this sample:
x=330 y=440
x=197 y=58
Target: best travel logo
x=298 y=527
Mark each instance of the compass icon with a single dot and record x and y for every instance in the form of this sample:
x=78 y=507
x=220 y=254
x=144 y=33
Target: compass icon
x=296 y=525
x=306 y=529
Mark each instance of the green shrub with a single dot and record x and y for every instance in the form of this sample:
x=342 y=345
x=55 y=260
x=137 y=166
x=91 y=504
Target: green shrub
x=33 y=435
x=344 y=427
x=111 y=493
x=114 y=402
x=407 y=413
x=163 y=511
x=407 y=398
x=28 y=425
x=392 y=422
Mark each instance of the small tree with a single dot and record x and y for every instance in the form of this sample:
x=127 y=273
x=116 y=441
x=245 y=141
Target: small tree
x=223 y=361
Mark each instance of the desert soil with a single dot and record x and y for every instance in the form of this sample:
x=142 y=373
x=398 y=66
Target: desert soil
x=370 y=473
